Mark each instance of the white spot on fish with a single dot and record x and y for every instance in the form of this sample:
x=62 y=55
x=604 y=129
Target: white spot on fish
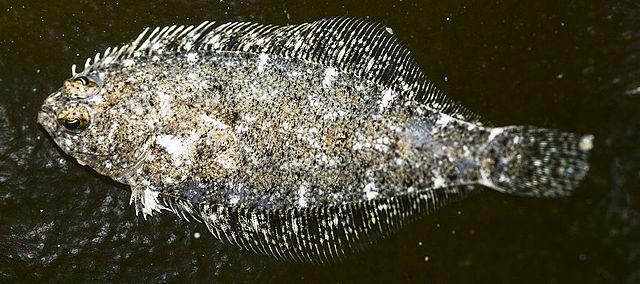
x=172 y=144
x=263 y=58
x=192 y=57
x=444 y=120
x=193 y=77
x=387 y=98
x=250 y=118
x=234 y=199
x=241 y=128
x=370 y=191
x=128 y=62
x=381 y=144
x=165 y=103
x=215 y=41
x=314 y=101
x=438 y=180
x=310 y=137
x=225 y=161
x=177 y=147
x=517 y=139
x=302 y=200
x=333 y=114
x=285 y=125
x=358 y=146
x=96 y=99
x=330 y=75
x=214 y=122
x=138 y=110
x=495 y=132
x=112 y=130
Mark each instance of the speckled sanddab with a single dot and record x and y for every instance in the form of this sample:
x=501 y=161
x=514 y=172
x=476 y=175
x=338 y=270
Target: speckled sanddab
x=303 y=142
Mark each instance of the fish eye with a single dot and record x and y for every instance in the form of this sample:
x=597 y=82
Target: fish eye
x=73 y=123
x=74 y=118
x=83 y=80
x=82 y=86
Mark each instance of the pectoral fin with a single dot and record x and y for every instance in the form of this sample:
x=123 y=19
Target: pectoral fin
x=145 y=200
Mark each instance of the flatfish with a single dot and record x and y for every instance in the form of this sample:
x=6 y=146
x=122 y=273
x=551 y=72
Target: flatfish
x=303 y=142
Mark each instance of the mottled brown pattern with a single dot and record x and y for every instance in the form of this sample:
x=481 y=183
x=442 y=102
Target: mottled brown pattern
x=297 y=153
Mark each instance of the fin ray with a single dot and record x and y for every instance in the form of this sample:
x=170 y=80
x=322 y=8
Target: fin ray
x=359 y=47
x=531 y=161
x=323 y=234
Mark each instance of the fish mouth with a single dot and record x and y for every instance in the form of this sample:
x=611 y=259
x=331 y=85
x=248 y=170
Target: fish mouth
x=45 y=118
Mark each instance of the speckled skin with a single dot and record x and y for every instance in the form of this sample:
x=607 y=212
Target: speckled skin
x=263 y=146
x=274 y=133
x=281 y=133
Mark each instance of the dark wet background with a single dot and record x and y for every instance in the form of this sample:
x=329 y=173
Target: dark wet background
x=570 y=65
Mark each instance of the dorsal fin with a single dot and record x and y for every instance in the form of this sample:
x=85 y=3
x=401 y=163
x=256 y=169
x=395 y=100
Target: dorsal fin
x=356 y=46
x=322 y=234
x=363 y=48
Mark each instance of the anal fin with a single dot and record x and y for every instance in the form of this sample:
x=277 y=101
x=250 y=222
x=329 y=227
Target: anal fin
x=323 y=234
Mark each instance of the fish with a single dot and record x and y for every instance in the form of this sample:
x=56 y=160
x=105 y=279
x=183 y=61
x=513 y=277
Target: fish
x=305 y=143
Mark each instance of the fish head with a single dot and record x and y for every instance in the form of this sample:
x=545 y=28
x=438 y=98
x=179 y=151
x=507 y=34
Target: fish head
x=91 y=119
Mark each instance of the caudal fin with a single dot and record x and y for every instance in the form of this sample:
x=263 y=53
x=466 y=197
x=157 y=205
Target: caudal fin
x=535 y=162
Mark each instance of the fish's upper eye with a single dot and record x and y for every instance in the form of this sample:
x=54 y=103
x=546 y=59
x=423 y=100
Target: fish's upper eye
x=82 y=86
x=85 y=81
x=82 y=79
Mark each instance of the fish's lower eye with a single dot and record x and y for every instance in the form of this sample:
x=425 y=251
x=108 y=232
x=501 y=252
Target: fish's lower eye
x=72 y=123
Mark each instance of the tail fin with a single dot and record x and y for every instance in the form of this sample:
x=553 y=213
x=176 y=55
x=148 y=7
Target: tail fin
x=530 y=161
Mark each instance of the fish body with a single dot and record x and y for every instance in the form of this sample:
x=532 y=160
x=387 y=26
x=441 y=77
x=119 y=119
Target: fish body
x=303 y=142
